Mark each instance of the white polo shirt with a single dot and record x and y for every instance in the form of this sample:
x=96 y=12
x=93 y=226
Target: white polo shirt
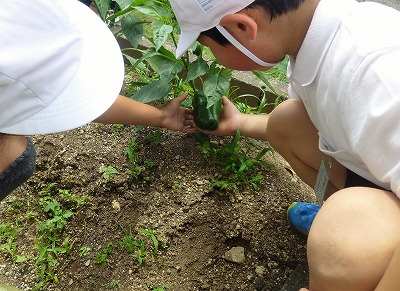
x=347 y=73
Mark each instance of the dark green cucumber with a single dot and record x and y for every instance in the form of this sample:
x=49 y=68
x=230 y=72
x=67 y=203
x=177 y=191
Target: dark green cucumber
x=205 y=118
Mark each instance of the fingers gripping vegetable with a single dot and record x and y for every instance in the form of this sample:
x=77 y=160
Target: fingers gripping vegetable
x=205 y=118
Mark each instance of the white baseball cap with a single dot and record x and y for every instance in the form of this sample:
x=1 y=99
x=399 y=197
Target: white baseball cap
x=196 y=16
x=60 y=66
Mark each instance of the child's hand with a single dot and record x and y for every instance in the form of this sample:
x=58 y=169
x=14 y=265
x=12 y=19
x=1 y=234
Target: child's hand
x=177 y=118
x=229 y=120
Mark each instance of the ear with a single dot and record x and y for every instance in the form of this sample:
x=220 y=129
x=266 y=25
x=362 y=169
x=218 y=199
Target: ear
x=239 y=24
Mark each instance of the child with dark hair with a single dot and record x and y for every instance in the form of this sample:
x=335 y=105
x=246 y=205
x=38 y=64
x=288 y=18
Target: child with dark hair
x=342 y=113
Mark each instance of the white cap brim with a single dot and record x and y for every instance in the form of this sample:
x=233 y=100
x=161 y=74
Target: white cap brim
x=95 y=85
x=186 y=40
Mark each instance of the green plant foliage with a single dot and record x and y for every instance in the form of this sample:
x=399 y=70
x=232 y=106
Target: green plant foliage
x=8 y=234
x=84 y=251
x=108 y=172
x=137 y=245
x=155 y=22
x=155 y=139
x=132 y=152
x=50 y=241
x=132 y=27
x=102 y=257
x=237 y=166
x=113 y=284
x=103 y=7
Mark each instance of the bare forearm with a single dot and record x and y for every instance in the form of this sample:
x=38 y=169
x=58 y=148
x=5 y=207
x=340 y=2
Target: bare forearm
x=254 y=126
x=128 y=111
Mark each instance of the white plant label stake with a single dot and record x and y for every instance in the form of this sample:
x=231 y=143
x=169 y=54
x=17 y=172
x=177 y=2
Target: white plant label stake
x=321 y=185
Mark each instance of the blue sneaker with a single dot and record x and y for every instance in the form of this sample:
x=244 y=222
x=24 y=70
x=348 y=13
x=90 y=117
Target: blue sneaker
x=301 y=215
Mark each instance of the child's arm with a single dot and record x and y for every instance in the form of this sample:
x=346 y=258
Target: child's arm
x=171 y=116
x=231 y=120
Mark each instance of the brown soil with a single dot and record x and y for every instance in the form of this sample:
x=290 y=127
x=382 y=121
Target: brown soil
x=195 y=225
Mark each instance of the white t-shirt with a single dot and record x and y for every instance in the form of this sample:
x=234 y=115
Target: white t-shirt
x=347 y=73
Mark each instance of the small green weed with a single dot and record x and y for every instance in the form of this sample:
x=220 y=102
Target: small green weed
x=113 y=284
x=155 y=139
x=8 y=235
x=176 y=185
x=137 y=246
x=149 y=164
x=50 y=242
x=68 y=197
x=117 y=129
x=108 y=172
x=236 y=163
x=84 y=251
x=132 y=151
x=102 y=257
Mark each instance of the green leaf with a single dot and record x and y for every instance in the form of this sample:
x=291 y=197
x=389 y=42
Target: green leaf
x=147 y=11
x=103 y=6
x=265 y=80
x=123 y=3
x=160 y=35
x=155 y=242
x=146 y=57
x=21 y=259
x=132 y=27
x=215 y=86
x=52 y=206
x=169 y=69
x=155 y=59
x=197 y=68
x=262 y=153
x=151 y=92
x=166 y=53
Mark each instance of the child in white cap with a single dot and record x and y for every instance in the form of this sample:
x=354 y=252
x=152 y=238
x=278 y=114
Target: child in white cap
x=61 y=68
x=340 y=128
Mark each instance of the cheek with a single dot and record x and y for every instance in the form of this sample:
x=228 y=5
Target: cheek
x=235 y=60
x=229 y=56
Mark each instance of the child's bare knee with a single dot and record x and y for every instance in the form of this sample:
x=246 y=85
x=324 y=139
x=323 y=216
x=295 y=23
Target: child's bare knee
x=352 y=239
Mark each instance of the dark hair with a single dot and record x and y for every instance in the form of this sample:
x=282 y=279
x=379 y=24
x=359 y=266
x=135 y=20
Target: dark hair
x=274 y=7
x=215 y=35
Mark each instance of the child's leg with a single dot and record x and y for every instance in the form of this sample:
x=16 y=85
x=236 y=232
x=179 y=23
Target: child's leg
x=11 y=147
x=292 y=134
x=17 y=162
x=352 y=239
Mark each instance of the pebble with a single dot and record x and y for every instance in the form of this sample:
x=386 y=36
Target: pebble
x=260 y=270
x=235 y=255
x=115 y=204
